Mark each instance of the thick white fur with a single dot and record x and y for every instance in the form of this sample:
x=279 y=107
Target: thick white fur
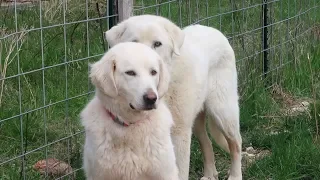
x=143 y=150
x=203 y=81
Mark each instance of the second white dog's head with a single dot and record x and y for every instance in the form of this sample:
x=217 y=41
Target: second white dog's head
x=154 y=31
x=132 y=74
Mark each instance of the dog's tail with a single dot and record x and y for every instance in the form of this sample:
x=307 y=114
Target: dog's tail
x=217 y=135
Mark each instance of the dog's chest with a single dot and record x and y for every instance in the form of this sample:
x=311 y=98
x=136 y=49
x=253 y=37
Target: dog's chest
x=132 y=156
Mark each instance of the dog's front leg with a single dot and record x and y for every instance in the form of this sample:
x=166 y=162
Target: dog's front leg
x=181 y=139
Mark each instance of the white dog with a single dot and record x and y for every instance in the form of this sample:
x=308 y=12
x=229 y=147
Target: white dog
x=203 y=81
x=127 y=125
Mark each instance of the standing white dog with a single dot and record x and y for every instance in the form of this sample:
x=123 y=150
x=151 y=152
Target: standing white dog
x=127 y=125
x=203 y=80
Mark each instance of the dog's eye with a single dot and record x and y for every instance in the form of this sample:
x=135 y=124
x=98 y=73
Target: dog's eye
x=131 y=73
x=153 y=72
x=135 y=40
x=157 y=44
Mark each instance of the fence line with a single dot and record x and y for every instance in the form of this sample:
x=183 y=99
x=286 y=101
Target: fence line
x=46 y=48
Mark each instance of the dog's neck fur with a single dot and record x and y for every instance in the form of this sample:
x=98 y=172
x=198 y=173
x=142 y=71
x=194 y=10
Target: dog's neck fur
x=121 y=110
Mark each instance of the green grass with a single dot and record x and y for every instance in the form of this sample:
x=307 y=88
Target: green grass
x=67 y=50
x=295 y=154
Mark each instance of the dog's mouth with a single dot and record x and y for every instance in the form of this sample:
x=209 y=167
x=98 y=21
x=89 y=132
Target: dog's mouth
x=146 y=108
x=131 y=106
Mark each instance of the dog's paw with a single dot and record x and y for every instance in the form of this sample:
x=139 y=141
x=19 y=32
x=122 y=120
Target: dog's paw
x=209 y=178
x=205 y=178
x=235 y=178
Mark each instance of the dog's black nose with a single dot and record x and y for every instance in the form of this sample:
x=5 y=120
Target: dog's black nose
x=150 y=98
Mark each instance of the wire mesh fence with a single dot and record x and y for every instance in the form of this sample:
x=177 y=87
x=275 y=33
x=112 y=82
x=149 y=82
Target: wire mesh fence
x=46 y=46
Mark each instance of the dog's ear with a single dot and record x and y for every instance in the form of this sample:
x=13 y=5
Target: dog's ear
x=164 y=79
x=102 y=75
x=176 y=35
x=114 y=34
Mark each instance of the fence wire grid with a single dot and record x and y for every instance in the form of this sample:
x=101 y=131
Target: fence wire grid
x=46 y=46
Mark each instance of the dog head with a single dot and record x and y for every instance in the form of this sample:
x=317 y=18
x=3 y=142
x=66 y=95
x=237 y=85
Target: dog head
x=154 y=31
x=132 y=74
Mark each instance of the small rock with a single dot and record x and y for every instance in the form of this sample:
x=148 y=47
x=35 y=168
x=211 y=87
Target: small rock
x=250 y=150
x=305 y=103
x=254 y=155
x=54 y=167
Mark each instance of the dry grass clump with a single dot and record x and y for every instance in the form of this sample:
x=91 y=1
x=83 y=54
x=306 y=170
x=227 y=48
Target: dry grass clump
x=9 y=49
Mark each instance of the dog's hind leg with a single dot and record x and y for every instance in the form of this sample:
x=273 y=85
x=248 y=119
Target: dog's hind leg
x=222 y=105
x=226 y=119
x=199 y=129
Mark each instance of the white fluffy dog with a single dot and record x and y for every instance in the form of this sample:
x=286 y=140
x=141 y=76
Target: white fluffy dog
x=127 y=125
x=203 y=81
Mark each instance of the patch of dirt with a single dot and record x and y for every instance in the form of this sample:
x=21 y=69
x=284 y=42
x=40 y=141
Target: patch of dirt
x=292 y=106
x=251 y=155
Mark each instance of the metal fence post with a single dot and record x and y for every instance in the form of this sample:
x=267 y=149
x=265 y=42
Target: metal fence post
x=265 y=44
x=113 y=9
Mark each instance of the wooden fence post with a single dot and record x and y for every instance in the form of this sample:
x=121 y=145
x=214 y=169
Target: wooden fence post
x=125 y=9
